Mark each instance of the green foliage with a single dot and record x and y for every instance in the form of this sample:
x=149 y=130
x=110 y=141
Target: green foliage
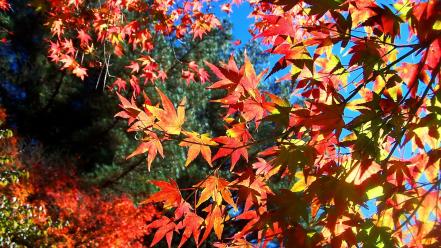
x=17 y=225
x=19 y=220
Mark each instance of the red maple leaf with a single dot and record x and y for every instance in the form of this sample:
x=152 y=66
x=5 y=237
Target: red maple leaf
x=233 y=147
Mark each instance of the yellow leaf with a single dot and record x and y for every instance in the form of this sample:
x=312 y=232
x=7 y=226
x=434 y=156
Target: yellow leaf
x=437 y=25
x=395 y=91
x=403 y=7
x=385 y=219
x=295 y=70
x=301 y=182
x=375 y=192
x=379 y=84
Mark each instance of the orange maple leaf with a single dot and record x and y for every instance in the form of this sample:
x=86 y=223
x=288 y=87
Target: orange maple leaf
x=169 y=194
x=152 y=145
x=217 y=189
x=197 y=143
x=215 y=218
x=169 y=120
x=192 y=223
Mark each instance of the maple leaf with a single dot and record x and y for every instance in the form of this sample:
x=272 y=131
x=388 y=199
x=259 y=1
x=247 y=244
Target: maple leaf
x=188 y=76
x=120 y=84
x=252 y=218
x=182 y=210
x=80 y=72
x=319 y=8
x=277 y=25
x=290 y=212
x=150 y=144
x=170 y=120
x=130 y=112
x=69 y=62
x=215 y=188
x=411 y=73
x=55 y=51
x=162 y=75
x=236 y=42
x=226 y=8
x=134 y=66
x=264 y=168
x=330 y=118
x=360 y=11
x=84 y=38
x=239 y=130
x=191 y=223
x=233 y=79
x=57 y=27
x=400 y=170
x=435 y=48
x=302 y=182
x=165 y=227
x=252 y=189
x=214 y=220
x=228 y=74
x=193 y=66
x=169 y=194
x=296 y=55
x=118 y=50
x=233 y=147
x=203 y=75
x=362 y=171
x=204 y=24
x=68 y=46
x=288 y=4
x=197 y=143
x=386 y=21
x=250 y=80
x=365 y=52
x=295 y=154
x=255 y=110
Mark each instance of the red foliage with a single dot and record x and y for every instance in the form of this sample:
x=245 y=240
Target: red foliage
x=87 y=217
x=337 y=163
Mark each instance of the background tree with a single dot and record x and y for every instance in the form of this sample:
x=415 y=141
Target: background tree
x=21 y=224
x=75 y=119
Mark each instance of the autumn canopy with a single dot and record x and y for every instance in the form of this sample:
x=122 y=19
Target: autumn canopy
x=349 y=156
